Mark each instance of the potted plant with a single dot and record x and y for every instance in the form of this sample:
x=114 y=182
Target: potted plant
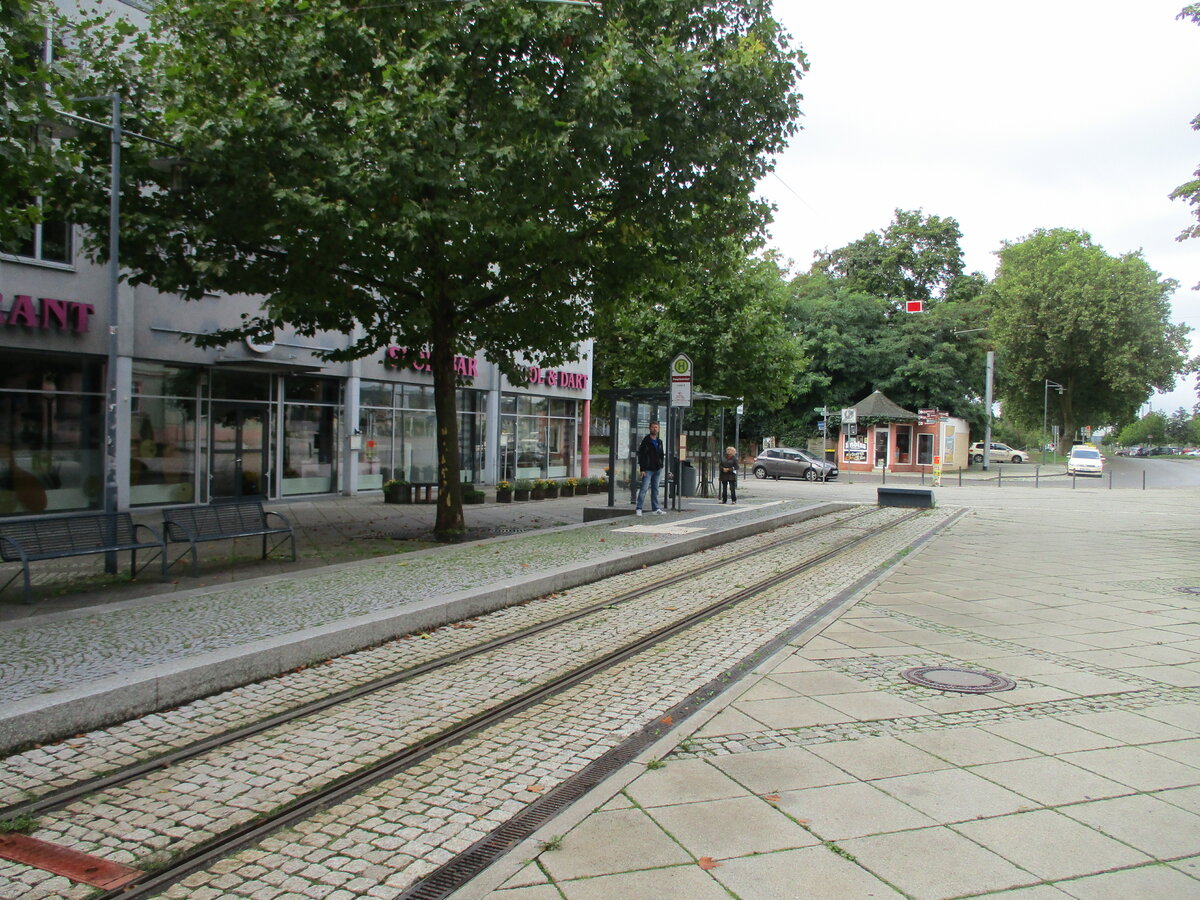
x=551 y=489
x=539 y=489
x=522 y=489
x=472 y=494
x=599 y=484
x=504 y=492
x=568 y=487
x=397 y=490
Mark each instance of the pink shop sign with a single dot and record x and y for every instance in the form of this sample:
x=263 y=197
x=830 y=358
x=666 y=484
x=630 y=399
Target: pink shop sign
x=464 y=366
x=47 y=314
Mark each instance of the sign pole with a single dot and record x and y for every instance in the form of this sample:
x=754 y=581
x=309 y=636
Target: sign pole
x=679 y=393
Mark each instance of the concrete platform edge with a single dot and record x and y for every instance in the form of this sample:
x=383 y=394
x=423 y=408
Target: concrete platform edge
x=119 y=698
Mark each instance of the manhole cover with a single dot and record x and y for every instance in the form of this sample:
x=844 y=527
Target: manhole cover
x=962 y=681
x=1190 y=589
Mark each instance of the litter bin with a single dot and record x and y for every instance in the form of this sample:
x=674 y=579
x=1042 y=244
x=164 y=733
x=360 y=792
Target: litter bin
x=687 y=481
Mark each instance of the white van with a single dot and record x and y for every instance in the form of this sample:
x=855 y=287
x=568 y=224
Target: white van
x=1085 y=459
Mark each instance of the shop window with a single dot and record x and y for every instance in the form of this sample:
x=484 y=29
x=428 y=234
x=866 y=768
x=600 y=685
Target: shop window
x=925 y=449
x=310 y=443
x=162 y=458
x=51 y=434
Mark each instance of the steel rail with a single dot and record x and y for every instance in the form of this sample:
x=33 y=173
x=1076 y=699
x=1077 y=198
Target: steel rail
x=198 y=858
x=64 y=796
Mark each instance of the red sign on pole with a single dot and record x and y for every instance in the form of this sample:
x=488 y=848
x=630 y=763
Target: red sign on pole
x=914 y=306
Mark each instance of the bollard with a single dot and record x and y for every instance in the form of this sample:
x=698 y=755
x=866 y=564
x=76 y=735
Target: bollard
x=1110 y=475
x=960 y=477
x=1143 y=479
x=1072 y=481
x=1037 y=475
x=999 y=477
x=885 y=473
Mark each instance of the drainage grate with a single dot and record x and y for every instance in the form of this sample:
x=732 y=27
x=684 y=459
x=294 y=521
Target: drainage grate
x=961 y=681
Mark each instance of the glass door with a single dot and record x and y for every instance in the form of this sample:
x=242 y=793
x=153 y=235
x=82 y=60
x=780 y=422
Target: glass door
x=881 y=447
x=238 y=445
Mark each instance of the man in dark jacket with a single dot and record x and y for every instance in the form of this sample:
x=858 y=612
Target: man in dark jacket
x=650 y=462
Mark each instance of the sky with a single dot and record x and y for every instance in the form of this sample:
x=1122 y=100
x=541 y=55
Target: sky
x=1007 y=117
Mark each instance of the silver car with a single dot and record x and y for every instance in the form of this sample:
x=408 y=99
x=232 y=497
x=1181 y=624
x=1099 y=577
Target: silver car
x=785 y=462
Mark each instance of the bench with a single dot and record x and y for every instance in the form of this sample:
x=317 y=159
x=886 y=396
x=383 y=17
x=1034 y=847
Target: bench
x=225 y=521
x=918 y=498
x=59 y=537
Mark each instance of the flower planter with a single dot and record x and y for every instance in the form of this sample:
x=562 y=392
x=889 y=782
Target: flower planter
x=552 y=493
x=400 y=493
x=520 y=494
x=538 y=494
x=566 y=490
x=504 y=496
x=597 y=488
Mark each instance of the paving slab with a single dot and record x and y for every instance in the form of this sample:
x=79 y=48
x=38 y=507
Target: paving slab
x=1081 y=782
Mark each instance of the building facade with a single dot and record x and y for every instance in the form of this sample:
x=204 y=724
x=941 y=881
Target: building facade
x=263 y=418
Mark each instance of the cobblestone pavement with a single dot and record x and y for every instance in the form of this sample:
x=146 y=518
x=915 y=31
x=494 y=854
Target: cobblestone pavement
x=827 y=775
x=188 y=803
x=77 y=664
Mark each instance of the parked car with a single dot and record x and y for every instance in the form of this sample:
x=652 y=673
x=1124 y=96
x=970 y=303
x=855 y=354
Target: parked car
x=1085 y=459
x=785 y=462
x=1000 y=453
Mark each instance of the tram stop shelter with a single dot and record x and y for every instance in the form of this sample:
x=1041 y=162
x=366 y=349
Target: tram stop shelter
x=694 y=438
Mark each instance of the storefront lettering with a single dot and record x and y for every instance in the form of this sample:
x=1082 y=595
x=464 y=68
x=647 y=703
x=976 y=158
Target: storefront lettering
x=554 y=378
x=464 y=366
x=468 y=367
x=48 y=314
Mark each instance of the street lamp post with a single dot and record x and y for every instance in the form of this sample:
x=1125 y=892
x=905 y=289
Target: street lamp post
x=1045 y=407
x=113 y=374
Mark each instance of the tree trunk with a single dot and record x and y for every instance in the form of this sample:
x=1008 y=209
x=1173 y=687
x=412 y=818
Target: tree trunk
x=449 y=525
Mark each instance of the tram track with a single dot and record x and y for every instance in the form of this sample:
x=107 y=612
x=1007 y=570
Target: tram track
x=59 y=797
x=336 y=789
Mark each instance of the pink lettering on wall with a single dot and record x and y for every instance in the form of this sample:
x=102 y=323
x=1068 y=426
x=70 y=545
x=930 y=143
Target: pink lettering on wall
x=48 y=314
x=553 y=378
x=464 y=366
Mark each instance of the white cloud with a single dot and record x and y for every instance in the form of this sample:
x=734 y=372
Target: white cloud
x=1008 y=117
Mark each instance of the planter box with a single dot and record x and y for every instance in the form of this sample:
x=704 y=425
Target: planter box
x=399 y=494
x=538 y=494
x=520 y=495
x=504 y=496
x=552 y=493
x=566 y=490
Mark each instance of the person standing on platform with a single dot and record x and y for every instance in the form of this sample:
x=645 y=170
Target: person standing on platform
x=728 y=476
x=650 y=463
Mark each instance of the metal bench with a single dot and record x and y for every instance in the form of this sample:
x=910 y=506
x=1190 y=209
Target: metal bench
x=225 y=521
x=58 y=537
x=918 y=498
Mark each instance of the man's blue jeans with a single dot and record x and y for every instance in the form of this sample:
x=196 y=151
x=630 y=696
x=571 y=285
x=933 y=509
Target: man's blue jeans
x=650 y=483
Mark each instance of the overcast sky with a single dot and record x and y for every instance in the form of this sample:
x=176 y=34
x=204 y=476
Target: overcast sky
x=1005 y=116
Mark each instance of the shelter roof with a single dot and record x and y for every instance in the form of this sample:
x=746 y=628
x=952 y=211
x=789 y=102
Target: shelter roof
x=879 y=406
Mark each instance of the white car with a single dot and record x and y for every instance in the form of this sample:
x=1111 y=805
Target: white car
x=1085 y=460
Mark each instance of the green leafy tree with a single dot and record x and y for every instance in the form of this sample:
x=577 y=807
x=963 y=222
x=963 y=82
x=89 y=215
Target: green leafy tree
x=1180 y=428
x=727 y=315
x=1149 y=429
x=849 y=315
x=486 y=175
x=916 y=257
x=37 y=81
x=1064 y=309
